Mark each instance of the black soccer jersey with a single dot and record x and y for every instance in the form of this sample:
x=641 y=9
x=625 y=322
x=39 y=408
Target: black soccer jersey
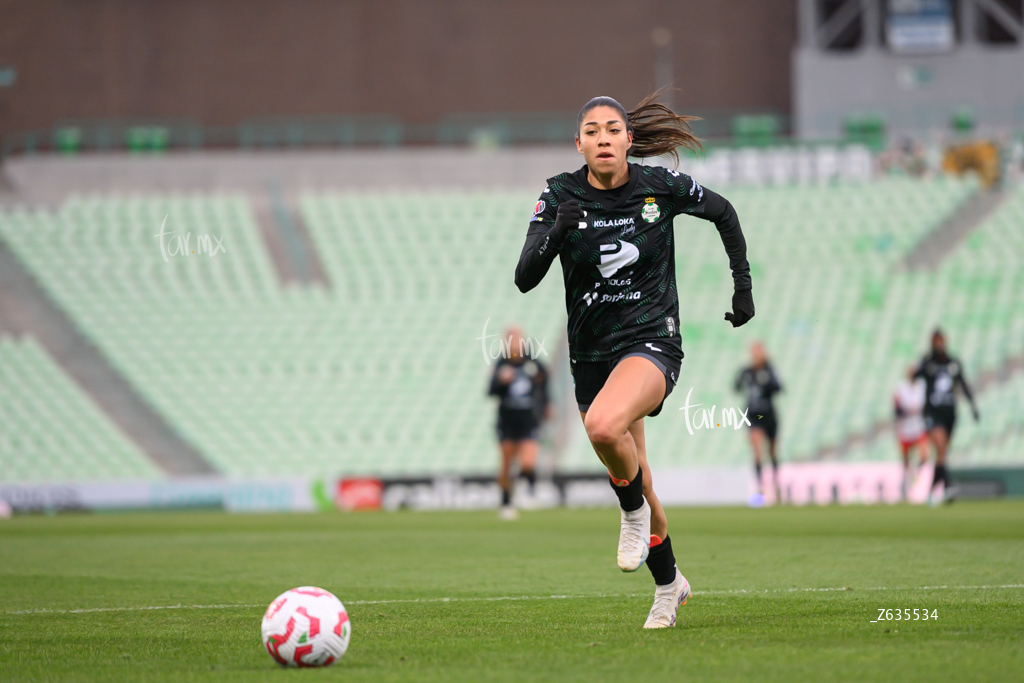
x=760 y=385
x=619 y=264
x=941 y=375
x=526 y=392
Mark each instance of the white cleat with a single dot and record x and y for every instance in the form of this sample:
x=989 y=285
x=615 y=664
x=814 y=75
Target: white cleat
x=667 y=600
x=634 y=538
x=509 y=513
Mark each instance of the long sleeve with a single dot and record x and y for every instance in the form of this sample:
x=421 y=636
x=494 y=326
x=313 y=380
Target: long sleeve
x=496 y=388
x=536 y=258
x=718 y=210
x=966 y=388
x=738 y=384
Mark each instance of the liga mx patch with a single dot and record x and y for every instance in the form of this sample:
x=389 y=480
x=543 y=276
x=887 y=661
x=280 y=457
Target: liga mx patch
x=538 y=209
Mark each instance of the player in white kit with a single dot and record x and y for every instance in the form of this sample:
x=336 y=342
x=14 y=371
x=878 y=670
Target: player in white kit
x=909 y=400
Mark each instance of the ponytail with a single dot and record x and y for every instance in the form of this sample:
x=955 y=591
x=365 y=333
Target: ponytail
x=657 y=130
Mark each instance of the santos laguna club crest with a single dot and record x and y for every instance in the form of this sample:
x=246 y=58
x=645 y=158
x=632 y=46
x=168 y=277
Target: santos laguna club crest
x=651 y=212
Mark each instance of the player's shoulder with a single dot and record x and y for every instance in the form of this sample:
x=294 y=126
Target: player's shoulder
x=681 y=189
x=566 y=183
x=558 y=189
x=661 y=177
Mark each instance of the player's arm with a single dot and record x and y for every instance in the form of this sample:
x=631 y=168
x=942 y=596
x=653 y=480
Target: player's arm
x=498 y=387
x=543 y=400
x=899 y=413
x=967 y=392
x=774 y=386
x=703 y=203
x=919 y=373
x=549 y=228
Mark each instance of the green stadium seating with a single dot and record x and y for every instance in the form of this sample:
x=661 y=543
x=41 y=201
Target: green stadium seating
x=51 y=429
x=384 y=372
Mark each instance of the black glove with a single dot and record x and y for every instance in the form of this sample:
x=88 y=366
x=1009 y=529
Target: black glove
x=567 y=219
x=742 y=307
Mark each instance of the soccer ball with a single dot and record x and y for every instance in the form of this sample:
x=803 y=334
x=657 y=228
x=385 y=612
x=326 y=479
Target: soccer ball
x=306 y=626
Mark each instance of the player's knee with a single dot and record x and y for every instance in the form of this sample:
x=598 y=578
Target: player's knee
x=602 y=428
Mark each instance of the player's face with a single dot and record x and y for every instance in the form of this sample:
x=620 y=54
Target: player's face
x=604 y=140
x=757 y=354
x=514 y=337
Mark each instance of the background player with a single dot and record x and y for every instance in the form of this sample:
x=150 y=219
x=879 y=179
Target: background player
x=611 y=225
x=520 y=382
x=760 y=384
x=942 y=374
x=908 y=400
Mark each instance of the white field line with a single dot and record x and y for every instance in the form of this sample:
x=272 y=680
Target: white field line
x=740 y=591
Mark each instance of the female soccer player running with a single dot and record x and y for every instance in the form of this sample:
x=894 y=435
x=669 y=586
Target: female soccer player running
x=942 y=373
x=610 y=224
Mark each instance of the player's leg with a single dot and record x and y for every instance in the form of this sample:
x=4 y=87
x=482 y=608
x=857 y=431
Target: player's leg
x=773 y=453
x=508 y=449
x=659 y=521
x=634 y=388
x=672 y=588
x=905 y=484
x=757 y=440
x=940 y=437
x=528 y=449
x=922 y=450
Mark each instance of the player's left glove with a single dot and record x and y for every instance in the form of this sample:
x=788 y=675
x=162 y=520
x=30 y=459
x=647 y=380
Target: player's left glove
x=742 y=307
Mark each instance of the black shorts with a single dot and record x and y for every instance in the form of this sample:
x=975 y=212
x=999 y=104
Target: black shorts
x=766 y=422
x=517 y=425
x=940 y=417
x=588 y=377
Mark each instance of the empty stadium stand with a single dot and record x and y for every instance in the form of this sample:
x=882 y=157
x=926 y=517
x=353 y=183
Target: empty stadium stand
x=383 y=371
x=51 y=429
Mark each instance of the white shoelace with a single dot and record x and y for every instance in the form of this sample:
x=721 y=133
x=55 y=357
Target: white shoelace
x=663 y=601
x=632 y=530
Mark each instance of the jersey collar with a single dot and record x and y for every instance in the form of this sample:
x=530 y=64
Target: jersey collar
x=594 y=194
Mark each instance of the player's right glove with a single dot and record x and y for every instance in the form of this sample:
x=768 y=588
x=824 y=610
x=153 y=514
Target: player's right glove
x=742 y=307
x=566 y=220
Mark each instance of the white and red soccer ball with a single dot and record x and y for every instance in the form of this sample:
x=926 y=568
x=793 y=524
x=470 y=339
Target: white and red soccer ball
x=306 y=626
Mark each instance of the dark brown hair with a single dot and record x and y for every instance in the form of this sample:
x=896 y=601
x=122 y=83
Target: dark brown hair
x=657 y=130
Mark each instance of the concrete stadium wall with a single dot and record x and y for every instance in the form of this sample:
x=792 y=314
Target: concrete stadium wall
x=221 y=61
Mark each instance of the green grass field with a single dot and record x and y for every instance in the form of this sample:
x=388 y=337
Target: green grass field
x=780 y=594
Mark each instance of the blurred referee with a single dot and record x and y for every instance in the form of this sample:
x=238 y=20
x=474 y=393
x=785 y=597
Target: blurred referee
x=942 y=373
x=520 y=383
x=760 y=384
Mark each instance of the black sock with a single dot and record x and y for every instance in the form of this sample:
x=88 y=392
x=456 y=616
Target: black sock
x=662 y=563
x=506 y=497
x=757 y=471
x=939 y=475
x=631 y=496
x=530 y=476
